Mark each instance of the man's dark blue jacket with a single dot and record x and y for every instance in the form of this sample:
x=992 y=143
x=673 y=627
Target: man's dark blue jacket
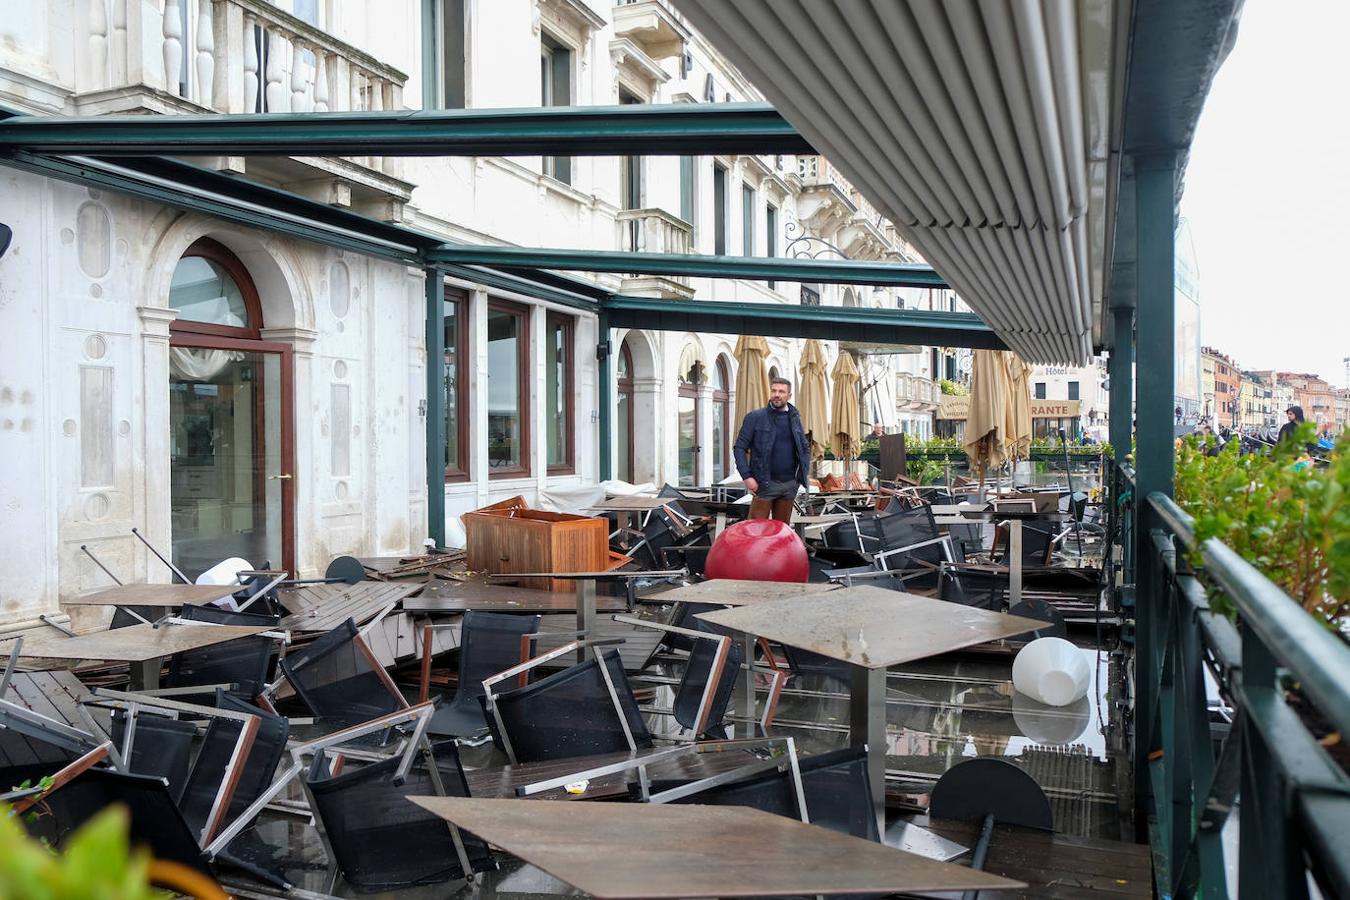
x=756 y=436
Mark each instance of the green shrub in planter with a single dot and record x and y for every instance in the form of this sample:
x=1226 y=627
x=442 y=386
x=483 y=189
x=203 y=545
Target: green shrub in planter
x=1284 y=515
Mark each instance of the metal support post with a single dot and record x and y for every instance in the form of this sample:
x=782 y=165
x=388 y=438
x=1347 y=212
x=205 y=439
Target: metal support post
x=604 y=394
x=435 y=406
x=867 y=728
x=1155 y=210
x=586 y=616
x=1121 y=370
x=747 y=701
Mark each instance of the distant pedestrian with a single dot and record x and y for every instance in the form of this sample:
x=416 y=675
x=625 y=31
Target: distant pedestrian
x=772 y=454
x=1289 y=428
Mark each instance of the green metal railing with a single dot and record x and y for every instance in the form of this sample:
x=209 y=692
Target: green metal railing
x=1293 y=799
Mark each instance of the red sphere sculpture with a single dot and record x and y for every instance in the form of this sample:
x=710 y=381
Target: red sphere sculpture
x=758 y=550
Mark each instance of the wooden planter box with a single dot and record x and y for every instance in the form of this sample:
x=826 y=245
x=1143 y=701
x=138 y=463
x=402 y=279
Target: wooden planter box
x=509 y=537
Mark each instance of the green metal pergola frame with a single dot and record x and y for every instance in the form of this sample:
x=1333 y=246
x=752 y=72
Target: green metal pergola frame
x=125 y=163
x=680 y=129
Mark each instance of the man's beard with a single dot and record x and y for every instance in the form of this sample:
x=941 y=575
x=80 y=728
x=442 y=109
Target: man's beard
x=777 y=404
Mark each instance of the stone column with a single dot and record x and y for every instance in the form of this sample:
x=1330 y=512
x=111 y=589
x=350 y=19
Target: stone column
x=156 y=440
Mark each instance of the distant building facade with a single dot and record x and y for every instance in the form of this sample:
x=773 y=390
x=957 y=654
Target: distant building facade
x=1227 y=389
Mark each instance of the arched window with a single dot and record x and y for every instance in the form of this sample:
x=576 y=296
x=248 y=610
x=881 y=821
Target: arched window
x=214 y=294
x=624 y=385
x=231 y=419
x=721 y=419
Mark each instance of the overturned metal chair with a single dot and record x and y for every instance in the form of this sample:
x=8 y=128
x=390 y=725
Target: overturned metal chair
x=338 y=677
x=488 y=643
x=378 y=839
x=584 y=710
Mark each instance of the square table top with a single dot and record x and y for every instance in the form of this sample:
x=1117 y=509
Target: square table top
x=734 y=592
x=137 y=643
x=872 y=627
x=153 y=595
x=633 y=850
x=323 y=607
x=632 y=503
x=456 y=597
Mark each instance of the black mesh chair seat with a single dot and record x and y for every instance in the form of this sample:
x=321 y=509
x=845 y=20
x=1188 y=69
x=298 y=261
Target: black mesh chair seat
x=835 y=785
x=838 y=792
x=967 y=538
x=28 y=759
x=156 y=823
x=1037 y=540
x=161 y=747
x=269 y=746
x=693 y=683
x=488 y=643
x=382 y=841
x=213 y=759
x=338 y=681
x=804 y=662
x=124 y=616
x=243 y=662
x=570 y=713
x=685 y=615
x=974 y=587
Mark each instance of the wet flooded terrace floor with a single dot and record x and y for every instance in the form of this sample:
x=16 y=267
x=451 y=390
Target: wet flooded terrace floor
x=939 y=711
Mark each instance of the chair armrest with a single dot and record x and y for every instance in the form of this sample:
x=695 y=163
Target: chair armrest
x=569 y=647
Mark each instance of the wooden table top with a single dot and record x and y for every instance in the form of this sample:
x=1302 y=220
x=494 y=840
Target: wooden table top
x=733 y=592
x=610 y=575
x=635 y=850
x=137 y=643
x=323 y=607
x=174 y=595
x=457 y=597
x=632 y=504
x=872 y=627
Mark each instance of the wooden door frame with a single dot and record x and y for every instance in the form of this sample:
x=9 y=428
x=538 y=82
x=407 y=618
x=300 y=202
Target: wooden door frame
x=286 y=353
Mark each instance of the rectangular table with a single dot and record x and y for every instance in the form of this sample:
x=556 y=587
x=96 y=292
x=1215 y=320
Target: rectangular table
x=587 y=601
x=162 y=595
x=735 y=592
x=143 y=646
x=645 y=850
x=871 y=628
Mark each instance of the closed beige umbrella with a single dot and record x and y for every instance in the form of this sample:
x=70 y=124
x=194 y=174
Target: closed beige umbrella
x=813 y=398
x=986 y=423
x=846 y=434
x=1017 y=439
x=752 y=379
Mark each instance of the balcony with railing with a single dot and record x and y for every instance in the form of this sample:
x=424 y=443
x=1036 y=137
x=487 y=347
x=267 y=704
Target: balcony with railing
x=242 y=56
x=916 y=393
x=653 y=25
x=654 y=231
x=826 y=199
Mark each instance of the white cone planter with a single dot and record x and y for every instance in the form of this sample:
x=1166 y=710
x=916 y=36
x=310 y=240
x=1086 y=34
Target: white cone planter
x=225 y=572
x=1052 y=671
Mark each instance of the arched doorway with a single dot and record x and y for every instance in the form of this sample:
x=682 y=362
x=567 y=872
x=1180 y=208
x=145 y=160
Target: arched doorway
x=721 y=419
x=624 y=384
x=692 y=377
x=230 y=419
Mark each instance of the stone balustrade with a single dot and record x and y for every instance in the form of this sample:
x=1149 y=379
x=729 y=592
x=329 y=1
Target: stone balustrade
x=234 y=56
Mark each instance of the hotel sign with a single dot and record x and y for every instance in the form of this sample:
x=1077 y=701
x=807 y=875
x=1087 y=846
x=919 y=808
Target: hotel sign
x=952 y=407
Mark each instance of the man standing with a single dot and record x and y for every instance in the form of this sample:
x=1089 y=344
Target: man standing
x=772 y=454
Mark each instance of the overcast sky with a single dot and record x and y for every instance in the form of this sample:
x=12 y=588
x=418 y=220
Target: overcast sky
x=1268 y=191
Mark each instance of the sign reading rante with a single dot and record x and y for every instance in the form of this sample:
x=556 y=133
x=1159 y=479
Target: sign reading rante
x=952 y=407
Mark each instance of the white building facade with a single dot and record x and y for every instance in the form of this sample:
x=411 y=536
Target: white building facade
x=231 y=391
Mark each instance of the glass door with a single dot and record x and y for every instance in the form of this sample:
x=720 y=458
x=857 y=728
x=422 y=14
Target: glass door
x=688 y=442
x=230 y=448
